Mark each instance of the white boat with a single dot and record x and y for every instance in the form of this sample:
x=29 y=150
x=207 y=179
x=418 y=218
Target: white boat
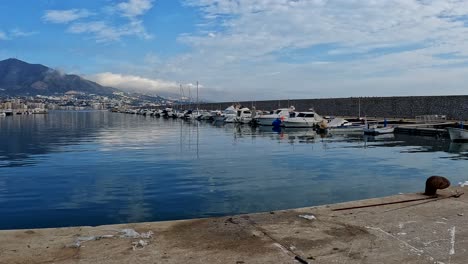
x=204 y=115
x=338 y=122
x=167 y=113
x=303 y=119
x=458 y=134
x=2 y=114
x=230 y=114
x=375 y=130
x=281 y=114
x=243 y=116
x=340 y=125
x=347 y=129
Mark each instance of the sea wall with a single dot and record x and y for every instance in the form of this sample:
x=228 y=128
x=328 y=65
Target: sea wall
x=454 y=107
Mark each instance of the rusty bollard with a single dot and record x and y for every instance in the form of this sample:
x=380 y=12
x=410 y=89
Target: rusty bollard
x=435 y=183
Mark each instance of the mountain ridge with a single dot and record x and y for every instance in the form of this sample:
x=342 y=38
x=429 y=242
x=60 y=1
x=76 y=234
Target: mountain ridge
x=18 y=77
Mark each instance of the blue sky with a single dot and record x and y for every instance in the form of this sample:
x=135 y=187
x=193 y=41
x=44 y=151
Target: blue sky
x=248 y=49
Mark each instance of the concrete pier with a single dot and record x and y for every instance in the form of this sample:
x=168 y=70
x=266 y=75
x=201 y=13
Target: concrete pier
x=421 y=231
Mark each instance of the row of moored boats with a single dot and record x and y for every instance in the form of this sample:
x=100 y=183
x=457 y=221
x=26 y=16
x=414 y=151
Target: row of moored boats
x=282 y=117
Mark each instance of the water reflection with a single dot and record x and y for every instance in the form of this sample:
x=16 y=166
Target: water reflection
x=90 y=168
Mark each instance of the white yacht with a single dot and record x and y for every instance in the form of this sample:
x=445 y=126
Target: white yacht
x=204 y=115
x=281 y=114
x=230 y=114
x=244 y=116
x=218 y=116
x=302 y=119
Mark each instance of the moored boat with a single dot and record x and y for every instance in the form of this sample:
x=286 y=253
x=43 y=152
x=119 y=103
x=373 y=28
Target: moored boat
x=375 y=130
x=458 y=134
x=243 y=116
x=303 y=119
x=269 y=119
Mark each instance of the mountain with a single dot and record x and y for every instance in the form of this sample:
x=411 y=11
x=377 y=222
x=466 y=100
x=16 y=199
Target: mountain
x=21 y=78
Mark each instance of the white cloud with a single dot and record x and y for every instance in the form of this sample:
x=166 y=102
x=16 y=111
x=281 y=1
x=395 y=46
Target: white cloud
x=100 y=29
x=108 y=29
x=135 y=83
x=103 y=32
x=19 y=33
x=15 y=33
x=134 y=8
x=65 y=16
x=326 y=48
x=3 y=36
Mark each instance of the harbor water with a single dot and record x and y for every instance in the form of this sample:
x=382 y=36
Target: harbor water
x=98 y=167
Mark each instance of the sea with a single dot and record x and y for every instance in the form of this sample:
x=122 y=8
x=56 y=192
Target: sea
x=75 y=168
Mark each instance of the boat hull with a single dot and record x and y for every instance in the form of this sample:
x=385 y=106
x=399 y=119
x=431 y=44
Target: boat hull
x=379 y=130
x=303 y=123
x=458 y=134
x=265 y=121
x=347 y=129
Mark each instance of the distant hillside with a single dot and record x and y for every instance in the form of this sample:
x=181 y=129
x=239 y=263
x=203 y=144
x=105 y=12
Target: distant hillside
x=21 y=78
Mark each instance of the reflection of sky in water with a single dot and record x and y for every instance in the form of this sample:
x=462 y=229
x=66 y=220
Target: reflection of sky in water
x=91 y=168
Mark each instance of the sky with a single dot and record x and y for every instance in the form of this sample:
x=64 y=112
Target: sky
x=248 y=49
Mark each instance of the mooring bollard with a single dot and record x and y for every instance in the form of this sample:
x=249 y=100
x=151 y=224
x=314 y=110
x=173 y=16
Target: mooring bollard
x=435 y=183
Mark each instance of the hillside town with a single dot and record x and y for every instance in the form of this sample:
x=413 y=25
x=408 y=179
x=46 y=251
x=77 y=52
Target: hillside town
x=76 y=101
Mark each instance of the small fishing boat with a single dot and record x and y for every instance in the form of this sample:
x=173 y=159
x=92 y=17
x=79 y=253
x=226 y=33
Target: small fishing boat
x=376 y=130
x=458 y=134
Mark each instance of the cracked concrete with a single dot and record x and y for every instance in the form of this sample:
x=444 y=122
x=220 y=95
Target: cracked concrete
x=426 y=231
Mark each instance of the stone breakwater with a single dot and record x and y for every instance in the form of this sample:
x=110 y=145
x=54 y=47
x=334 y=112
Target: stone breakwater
x=454 y=107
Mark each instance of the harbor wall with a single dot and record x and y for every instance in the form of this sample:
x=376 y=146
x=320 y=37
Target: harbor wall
x=454 y=107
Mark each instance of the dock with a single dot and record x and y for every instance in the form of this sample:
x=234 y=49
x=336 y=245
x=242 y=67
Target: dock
x=426 y=129
x=406 y=228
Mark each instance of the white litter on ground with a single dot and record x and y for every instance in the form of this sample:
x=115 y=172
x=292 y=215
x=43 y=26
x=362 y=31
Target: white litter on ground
x=80 y=240
x=140 y=244
x=308 y=217
x=124 y=233
x=131 y=233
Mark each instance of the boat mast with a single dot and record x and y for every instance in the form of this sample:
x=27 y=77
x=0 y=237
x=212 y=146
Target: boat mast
x=197 y=96
x=359 y=104
x=190 y=97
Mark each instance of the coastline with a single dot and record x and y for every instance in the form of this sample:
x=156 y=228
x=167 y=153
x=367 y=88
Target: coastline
x=422 y=231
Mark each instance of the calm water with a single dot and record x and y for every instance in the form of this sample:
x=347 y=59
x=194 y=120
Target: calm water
x=92 y=168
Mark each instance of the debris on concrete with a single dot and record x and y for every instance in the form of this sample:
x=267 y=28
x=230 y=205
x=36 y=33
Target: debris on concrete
x=452 y=241
x=80 y=240
x=460 y=214
x=125 y=233
x=131 y=233
x=423 y=233
x=308 y=217
x=140 y=244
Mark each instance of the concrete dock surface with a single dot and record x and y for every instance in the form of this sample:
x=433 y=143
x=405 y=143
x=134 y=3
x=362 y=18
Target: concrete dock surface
x=422 y=231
